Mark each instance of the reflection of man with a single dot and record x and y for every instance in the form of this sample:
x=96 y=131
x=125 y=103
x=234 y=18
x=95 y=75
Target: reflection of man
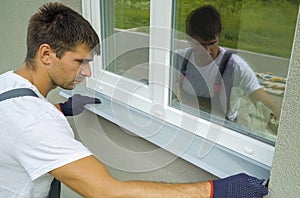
x=40 y=145
x=199 y=73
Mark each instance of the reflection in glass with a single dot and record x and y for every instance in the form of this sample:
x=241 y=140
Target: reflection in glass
x=253 y=82
x=125 y=38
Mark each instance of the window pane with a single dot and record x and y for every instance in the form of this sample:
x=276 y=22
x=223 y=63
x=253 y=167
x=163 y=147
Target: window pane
x=125 y=43
x=260 y=35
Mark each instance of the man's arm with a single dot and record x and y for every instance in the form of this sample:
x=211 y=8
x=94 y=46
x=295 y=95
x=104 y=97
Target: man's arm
x=90 y=178
x=262 y=96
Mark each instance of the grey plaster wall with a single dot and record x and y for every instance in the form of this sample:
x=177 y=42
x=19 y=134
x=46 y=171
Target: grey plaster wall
x=285 y=172
x=14 y=17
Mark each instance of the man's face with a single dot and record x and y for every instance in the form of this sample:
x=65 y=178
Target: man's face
x=211 y=46
x=72 y=67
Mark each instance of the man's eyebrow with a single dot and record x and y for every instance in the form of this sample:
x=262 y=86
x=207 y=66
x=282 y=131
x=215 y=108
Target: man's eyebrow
x=209 y=43
x=83 y=59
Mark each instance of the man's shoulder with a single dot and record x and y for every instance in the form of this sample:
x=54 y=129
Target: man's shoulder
x=234 y=58
x=181 y=51
x=4 y=78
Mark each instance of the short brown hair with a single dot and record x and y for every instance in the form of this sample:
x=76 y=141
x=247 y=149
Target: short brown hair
x=204 y=22
x=60 y=27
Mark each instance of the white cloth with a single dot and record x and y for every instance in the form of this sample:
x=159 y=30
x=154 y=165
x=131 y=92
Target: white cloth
x=243 y=77
x=35 y=138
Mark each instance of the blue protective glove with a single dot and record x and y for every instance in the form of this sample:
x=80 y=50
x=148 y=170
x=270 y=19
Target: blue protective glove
x=238 y=186
x=74 y=105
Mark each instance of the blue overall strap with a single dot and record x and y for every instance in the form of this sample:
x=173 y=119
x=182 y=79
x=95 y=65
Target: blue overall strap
x=227 y=84
x=17 y=93
x=55 y=185
x=186 y=60
x=224 y=61
x=55 y=189
x=222 y=68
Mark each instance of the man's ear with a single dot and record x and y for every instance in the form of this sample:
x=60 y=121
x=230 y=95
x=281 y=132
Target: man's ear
x=45 y=54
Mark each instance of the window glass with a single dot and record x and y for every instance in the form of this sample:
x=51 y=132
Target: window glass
x=125 y=39
x=248 y=95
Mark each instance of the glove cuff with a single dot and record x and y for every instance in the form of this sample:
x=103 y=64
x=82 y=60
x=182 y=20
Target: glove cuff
x=58 y=106
x=211 y=188
x=64 y=109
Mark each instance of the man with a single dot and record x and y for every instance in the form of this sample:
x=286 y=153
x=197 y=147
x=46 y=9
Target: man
x=201 y=72
x=40 y=145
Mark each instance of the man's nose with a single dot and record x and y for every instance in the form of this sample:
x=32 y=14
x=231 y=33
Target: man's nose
x=85 y=70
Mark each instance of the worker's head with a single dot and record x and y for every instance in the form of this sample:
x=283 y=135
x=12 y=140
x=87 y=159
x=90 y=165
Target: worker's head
x=203 y=26
x=60 y=27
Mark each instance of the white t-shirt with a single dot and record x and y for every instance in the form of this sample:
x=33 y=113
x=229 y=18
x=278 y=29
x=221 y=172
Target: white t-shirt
x=200 y=81
x=244 y=77
x=35 y=138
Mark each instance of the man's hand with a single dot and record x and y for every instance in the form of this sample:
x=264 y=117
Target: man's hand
x=74 y=105
x=239 y=186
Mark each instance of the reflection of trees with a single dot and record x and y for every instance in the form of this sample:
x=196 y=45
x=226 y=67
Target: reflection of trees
x=253 y=25
x=135 y=4
x=247 y=24
x=132 y=13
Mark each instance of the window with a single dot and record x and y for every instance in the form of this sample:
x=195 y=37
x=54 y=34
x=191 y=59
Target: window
x=264 y=42
x=136 y=68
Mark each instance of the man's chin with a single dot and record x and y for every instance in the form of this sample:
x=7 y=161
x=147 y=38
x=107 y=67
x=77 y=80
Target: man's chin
x=69 y=87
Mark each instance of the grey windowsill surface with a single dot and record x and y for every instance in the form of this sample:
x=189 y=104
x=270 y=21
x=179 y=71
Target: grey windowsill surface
x=218 y=160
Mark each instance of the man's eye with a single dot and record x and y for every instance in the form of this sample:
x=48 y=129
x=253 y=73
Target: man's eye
x=82 y=62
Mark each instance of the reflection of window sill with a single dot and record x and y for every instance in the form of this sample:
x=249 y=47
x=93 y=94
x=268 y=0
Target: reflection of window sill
x=219 y=160
x=267 y=136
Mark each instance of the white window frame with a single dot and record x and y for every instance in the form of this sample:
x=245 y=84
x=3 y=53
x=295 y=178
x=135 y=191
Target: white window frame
x=241 y=146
